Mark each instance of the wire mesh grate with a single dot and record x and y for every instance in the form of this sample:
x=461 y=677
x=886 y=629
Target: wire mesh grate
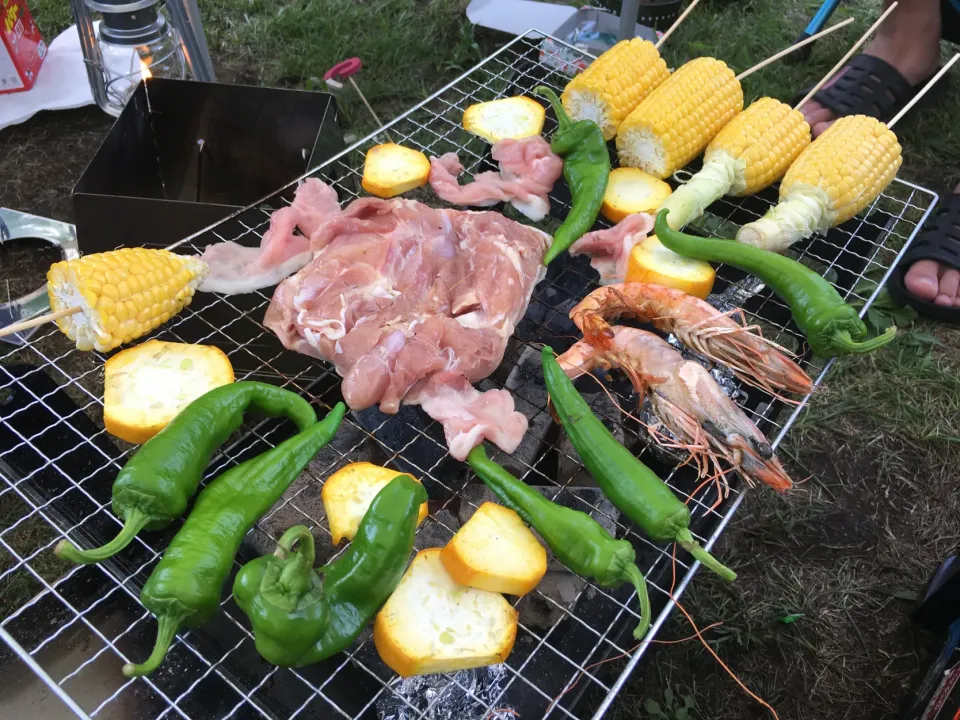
x=57 y=465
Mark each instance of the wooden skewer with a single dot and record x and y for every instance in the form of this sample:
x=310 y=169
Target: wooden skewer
x=37 y=321
x=926 y=88
x=797 y=46
x=823 y=81
x=676 y=23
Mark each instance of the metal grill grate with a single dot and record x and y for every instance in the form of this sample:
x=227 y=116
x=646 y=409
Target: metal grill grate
x=57 y=463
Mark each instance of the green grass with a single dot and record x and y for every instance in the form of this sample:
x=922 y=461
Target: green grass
x=879 y=444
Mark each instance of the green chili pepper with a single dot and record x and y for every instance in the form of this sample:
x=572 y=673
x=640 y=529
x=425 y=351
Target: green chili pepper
x=358 y=584
x=156 y=484
x=586 y=168
x=576 y=539
x=184 y=588
x=630 y=485
x=832 y=326
x=283 y=597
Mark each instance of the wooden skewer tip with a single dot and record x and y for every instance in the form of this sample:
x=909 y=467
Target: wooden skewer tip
x=797 y=46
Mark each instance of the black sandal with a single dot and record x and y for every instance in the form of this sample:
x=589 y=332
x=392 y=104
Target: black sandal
x=870 y=86
x=939 y=241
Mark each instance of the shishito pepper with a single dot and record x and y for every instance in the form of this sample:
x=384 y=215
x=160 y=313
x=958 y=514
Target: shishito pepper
x=832 y=326
x=184 y=588
x=284 y=599
x=576 y=539
x=156 y=484
x=632 y=487
x=586 y=168
x=354 y=587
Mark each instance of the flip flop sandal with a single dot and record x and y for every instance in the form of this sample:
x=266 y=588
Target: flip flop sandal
x=939 y=241
x=870 y=86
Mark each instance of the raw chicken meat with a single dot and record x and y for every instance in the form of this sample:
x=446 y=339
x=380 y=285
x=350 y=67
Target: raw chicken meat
x=528 y=170
x=609 y=249
x=399 y=292
x=468 y=415
x=236 y=269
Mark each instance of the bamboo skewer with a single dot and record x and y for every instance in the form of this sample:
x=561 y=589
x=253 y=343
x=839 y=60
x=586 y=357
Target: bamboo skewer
x=37 y=321
x=797 y=46
x=676 y=24
x=856 y=46
x=926 y=88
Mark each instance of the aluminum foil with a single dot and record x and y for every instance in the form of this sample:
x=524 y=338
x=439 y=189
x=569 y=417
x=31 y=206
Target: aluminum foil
x=465 y=695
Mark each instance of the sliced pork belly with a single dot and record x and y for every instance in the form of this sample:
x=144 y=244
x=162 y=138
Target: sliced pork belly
x=399 y=293
x=528 y=170
x=609 y=249
x=236 y=269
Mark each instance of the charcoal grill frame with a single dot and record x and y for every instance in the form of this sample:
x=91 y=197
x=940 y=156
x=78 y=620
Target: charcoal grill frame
x=433 y=125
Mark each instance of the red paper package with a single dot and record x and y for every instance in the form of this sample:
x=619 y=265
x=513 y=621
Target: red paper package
x=21 y=47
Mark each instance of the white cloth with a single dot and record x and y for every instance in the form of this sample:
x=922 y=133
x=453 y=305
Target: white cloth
x=61 y=83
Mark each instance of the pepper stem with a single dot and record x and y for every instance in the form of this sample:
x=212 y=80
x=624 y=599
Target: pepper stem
x=134 y=522
x=686 y=541
x=167 y=626
x=636 y=577
x=843 y=340
x=563 y=120
x=298 y=537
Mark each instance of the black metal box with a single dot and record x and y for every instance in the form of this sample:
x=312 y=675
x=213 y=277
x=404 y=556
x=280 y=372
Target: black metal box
x=183 y=155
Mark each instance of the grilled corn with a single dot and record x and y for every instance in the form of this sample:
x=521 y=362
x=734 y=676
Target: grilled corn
x=677 y=120
x=837 y=176
x=121 y=294
x=751 y=153
x=614 y=84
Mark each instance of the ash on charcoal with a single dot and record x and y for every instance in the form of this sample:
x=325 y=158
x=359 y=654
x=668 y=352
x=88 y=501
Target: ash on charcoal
x=568 y=466
x=464 y=695
x=416 y=438
x=437 y=530
x=525 y=383
x=555 y=596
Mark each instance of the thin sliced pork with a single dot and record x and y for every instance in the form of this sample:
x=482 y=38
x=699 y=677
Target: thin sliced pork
x=236 y=269
x=528 y=170
x=399 y=293
x=609 y=249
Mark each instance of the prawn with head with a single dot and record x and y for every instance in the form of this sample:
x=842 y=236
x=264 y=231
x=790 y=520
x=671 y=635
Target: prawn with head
x=686 y=399
x=698 y=325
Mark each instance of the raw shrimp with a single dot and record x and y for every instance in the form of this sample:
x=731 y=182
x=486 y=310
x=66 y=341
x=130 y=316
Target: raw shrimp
x=698 y=325
x=686 y=399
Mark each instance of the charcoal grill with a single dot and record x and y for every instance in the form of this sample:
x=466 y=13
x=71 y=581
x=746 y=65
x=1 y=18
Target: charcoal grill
x=58 y=465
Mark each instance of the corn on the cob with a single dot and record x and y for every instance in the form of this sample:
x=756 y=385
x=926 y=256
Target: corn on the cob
x=677 y=120
x=614 y=84
x=121 y=294
x=753 y=151
x=836 y=177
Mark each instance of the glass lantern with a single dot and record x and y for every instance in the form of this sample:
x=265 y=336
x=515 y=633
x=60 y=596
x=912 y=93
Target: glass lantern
x=135 y=42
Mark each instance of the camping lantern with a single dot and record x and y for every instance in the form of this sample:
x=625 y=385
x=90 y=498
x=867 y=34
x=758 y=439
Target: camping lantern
x=135 y=42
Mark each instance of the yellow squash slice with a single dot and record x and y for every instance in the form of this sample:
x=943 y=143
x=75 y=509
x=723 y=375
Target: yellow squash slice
x=147 y=385
x=347 y=495
x=631 y=190
x=516 y=117
x=651 y=262
x=495 y=551
x=432 y=624
x=392 y=169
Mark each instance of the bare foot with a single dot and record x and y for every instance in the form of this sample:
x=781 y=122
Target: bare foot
x=909 y=40
x=933 y=282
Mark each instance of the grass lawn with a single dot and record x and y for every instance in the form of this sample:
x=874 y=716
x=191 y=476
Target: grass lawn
x=880 y=444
